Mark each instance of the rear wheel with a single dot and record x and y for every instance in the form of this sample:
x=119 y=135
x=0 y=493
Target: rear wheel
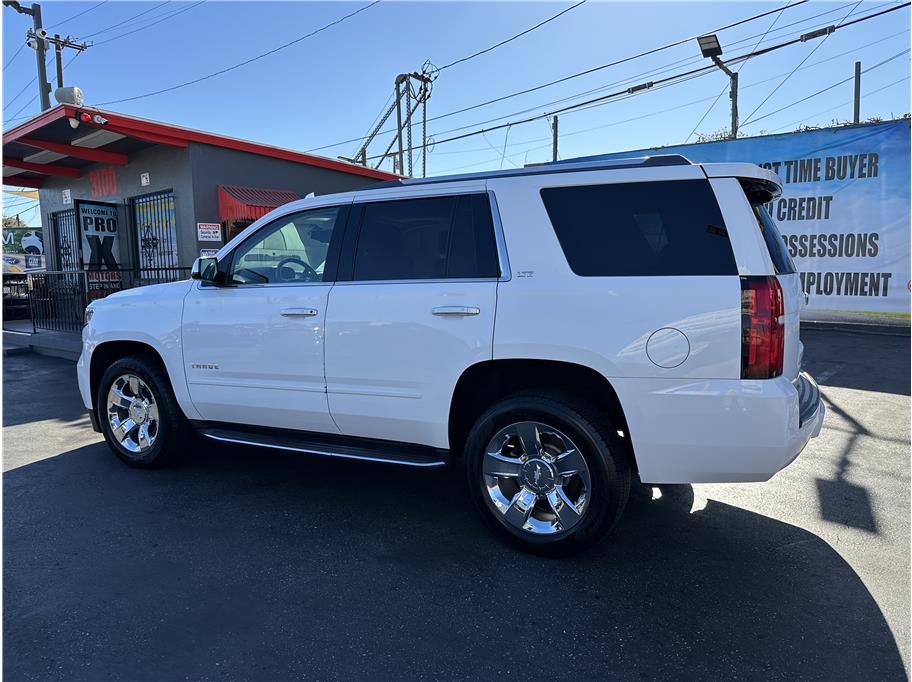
x=139 y=415
x=546 y=472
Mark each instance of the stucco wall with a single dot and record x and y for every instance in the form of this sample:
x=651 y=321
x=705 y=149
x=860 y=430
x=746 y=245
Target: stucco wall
x=168 y=168
x=213 y=166
x=193 y=173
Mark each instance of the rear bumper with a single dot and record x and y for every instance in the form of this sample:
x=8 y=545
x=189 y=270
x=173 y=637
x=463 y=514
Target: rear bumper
x=718 y=430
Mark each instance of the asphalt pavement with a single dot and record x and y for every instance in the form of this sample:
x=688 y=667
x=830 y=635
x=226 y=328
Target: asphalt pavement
x=252 y=564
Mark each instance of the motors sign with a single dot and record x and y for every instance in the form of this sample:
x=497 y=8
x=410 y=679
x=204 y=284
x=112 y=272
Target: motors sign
x=844 y=211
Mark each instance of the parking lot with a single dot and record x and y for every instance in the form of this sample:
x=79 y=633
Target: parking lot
x=253 y=564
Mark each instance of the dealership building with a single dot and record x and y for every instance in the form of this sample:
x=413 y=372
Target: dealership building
x=119 y=193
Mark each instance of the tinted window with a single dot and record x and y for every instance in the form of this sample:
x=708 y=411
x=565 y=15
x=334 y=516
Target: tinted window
x=473 y=252
x=644 y=228
x=430 y=238
x=292 y=249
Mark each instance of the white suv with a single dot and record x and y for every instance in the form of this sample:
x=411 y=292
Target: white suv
x=553 y=330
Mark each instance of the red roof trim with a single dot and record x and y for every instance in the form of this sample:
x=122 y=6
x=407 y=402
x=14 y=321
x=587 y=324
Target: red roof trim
x=144 y=129
x=85 y=153
x=44 y=168
x=16 y=181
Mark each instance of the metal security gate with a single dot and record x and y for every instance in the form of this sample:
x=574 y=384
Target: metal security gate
x=156 y=231
x=66 y=239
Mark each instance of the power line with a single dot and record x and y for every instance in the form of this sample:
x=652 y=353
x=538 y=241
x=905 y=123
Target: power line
x=511 y=38
x=668 y=80
x=693 y=73
x=78 y=14
x=15 y=54
x=840 y=105
x=31 y=101
x=157 y=20
x=610 y=64
x=243 y=63
x=738 y=70
x=830 y=87
x=127 y=20
x=806 y=57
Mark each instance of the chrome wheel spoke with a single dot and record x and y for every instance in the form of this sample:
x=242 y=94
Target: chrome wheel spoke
x=134 y=386
x=122 y=399
x=123 y=429
x=529 y=438
x=520 y=508
x=563 y=508
x=142 y=437
x=496 y=464
x=571 y=462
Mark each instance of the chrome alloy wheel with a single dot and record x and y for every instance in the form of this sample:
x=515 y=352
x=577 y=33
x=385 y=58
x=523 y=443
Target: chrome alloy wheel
x=536 y=478
x=132 y=413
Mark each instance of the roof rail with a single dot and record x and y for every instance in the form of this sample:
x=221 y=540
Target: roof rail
x=544 y=169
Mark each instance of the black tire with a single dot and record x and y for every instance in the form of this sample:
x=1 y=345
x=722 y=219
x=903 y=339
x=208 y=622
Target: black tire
x=595 y=438
x=173 y=433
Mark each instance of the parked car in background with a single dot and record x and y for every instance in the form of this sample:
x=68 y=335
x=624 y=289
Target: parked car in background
x=553 y=331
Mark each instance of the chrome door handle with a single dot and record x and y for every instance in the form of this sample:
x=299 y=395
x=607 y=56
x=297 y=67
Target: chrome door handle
x=455 y=310
x=299 y=312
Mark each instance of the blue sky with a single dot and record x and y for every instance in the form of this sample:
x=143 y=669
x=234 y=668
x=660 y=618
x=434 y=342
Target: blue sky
x=331 y=87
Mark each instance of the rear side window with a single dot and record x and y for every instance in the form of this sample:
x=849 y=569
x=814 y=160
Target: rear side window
x=759 y=194
x=432 y=238
x=641 y=229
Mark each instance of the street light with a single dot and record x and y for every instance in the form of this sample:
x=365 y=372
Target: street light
x=709 y=45
x=712 y=49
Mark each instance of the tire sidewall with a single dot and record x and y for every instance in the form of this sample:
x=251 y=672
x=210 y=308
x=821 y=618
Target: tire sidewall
x=606 y=494
x=160 y=392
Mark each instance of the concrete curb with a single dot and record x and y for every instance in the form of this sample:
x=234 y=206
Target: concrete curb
x=856 y=328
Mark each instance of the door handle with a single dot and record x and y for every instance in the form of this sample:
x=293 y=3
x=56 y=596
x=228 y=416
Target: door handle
x=455 y=310
x=299 y=312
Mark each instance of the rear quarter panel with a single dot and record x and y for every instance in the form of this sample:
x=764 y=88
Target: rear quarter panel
x=548 y=312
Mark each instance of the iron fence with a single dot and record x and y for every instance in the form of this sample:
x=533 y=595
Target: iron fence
x=57 y=299
x=15 y=297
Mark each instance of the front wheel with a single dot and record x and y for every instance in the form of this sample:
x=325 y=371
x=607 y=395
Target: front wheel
x=547 y=472
x=139 y=415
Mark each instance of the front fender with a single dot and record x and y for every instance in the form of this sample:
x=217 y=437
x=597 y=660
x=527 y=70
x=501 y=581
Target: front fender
x=149 y=315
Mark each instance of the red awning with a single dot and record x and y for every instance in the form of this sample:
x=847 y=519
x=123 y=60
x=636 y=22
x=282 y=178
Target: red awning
x=249 y=203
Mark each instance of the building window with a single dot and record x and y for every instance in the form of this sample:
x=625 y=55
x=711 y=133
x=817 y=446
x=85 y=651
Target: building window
x=156 y=231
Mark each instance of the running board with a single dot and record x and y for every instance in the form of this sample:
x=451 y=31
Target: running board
x=386 y=452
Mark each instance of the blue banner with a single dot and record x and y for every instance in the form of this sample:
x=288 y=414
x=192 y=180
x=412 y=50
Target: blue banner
x=844 y=210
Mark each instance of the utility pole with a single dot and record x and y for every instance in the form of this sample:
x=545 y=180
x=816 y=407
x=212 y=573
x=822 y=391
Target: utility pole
x=710 y=47
x=856 y=118
x=554 y=138
x=59 y=45
x=414 y=90
x=732 y=93
x=44 y=88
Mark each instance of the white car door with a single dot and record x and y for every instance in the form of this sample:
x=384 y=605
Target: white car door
x=253 y=348
x=413 y=308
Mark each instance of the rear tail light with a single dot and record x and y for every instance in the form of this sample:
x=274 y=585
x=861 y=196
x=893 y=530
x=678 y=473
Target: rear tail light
x=762 y=332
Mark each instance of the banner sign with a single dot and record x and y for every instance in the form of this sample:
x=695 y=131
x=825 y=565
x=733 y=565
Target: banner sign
x=23 y=250
x=844 y=211
x=100 y=232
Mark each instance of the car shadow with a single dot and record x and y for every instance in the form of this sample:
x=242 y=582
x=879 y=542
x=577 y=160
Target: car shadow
x=245 y=563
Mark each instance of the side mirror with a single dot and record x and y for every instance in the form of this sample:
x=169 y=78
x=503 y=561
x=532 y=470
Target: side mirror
x=206 y=270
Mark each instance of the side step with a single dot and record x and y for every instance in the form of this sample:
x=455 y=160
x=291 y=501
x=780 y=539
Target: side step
x=326 y=445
